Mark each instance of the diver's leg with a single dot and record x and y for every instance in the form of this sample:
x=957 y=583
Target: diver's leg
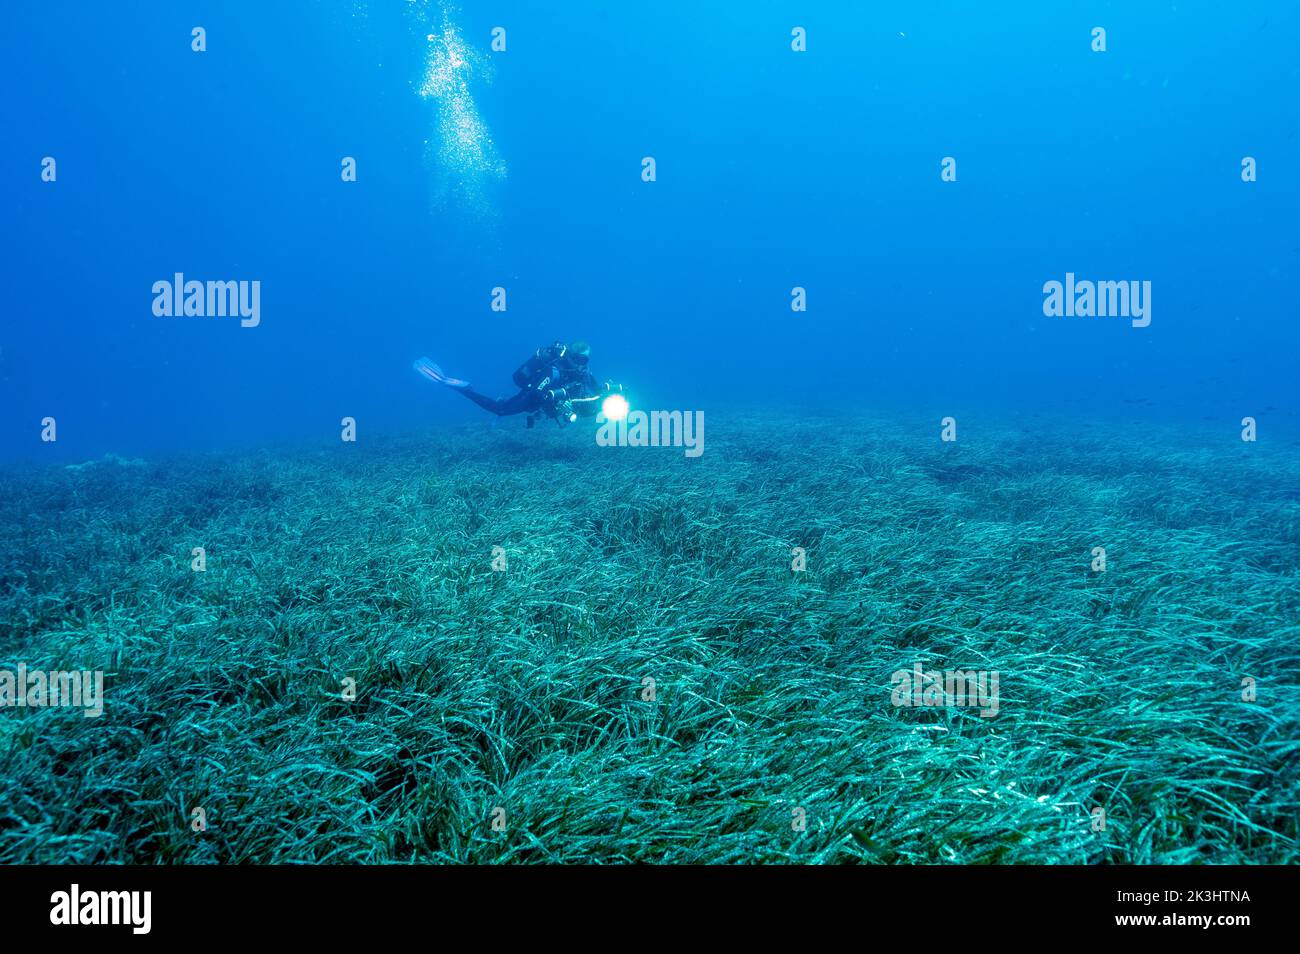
x=523 y=401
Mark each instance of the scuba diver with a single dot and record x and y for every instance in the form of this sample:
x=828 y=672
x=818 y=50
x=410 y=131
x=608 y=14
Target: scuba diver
x=555 y=382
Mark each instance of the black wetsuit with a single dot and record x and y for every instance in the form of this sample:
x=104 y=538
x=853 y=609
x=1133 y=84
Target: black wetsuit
x=548 y=378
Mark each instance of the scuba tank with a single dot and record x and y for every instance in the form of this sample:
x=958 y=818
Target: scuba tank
x=538 y=370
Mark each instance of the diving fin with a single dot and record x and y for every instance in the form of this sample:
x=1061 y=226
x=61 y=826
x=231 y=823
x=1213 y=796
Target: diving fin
x=434 y=373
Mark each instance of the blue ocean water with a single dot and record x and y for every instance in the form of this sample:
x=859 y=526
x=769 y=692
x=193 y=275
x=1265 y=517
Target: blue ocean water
x=521 y=168
x=830 y=228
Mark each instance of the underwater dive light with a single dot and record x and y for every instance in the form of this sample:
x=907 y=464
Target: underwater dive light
x=614 y=408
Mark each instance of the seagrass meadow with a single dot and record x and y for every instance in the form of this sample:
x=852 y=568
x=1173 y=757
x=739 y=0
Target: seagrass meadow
x=1162 y=690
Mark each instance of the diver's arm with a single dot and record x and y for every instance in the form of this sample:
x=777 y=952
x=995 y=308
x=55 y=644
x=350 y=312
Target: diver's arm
x=583 y=389
x=586 y=406
x=590 y=404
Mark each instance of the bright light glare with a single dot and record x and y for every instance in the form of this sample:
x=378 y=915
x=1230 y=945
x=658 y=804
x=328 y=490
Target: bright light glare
x=614 y=407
